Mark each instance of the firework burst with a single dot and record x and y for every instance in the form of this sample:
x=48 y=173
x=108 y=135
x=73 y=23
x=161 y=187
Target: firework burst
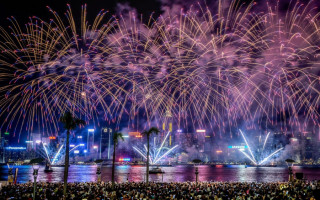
x=205 y=65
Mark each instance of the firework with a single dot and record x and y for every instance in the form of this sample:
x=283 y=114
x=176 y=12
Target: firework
x=50 y=154
x=205 y=65
x=156 y=153
x=258 y=159
x=56 y=156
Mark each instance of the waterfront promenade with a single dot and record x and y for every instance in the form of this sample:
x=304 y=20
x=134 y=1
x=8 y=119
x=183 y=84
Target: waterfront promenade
x=172 y=190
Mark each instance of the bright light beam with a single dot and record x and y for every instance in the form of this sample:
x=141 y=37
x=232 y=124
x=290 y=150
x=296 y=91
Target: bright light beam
x=154 y=155
x=247 y=145
x=145 y=147
x=265 y=141
x=138 y=150
x=74 y=148
x=264 y=160
x=164 y=140
x=248 y=157
x=45 y=149
x=166 y=154
x=55 y=157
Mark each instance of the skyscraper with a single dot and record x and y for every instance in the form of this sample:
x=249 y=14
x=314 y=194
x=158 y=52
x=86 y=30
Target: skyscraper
x=106 y=142
x=90 y=140
x=167 y=127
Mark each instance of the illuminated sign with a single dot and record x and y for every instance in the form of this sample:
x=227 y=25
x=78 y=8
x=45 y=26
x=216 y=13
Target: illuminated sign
x=125 y=136
x=179 y=131
x=52 y=138
x=29 y=141
x=6 y=133
x=124 y=159
x=81 y=145
x=294 y=139
x=219 y=151
x=79 y=137
x=237 y=147
x=135 y=134
x=200 y=131
x=91 y=130
x=72 y=145
x=95 y=147
x=76 y=151
x=15 y=148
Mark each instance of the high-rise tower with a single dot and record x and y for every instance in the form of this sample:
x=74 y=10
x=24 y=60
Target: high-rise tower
x=167 y=127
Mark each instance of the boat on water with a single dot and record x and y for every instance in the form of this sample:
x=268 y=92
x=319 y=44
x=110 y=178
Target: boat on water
x=48 y=168
x=156 y=170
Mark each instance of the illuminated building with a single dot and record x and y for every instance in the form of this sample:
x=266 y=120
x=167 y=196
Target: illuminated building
x=167 y=127
x=208 y=144
x=201 y=139
x=35 y=138
x=105 y=142
x=178 y=137
x=90 y=140
x=135 y=135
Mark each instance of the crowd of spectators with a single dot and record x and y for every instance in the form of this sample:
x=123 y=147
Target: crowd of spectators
x=163 y=191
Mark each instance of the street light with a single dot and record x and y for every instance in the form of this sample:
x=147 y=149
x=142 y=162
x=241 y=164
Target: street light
x=35 y=167
x=197 y=173
x=290 y=164
x=99 y=165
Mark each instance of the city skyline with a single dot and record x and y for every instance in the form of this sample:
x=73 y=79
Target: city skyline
x=213 y=66
x=160 y=99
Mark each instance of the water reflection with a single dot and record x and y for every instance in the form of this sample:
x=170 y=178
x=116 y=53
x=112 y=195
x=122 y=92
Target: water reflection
x=180 y=173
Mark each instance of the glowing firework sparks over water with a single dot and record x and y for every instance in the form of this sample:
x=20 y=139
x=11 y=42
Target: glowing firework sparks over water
x=55 y=159
x=49 y=153
x=206 y=65
x=156 y=154
x=252 y=157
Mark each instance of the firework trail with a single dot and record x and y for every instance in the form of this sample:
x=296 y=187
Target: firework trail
x=55 y=159
x=265 y=141
x=259 y=159
x=222 y=66
x=156 y=154
x=267 y=158
x=249 y=148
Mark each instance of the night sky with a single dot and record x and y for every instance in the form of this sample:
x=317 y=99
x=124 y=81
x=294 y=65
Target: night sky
x=22 y=10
